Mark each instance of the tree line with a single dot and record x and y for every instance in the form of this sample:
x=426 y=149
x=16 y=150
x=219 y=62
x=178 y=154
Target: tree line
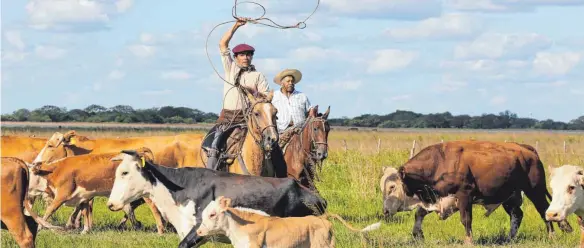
x=397 y=119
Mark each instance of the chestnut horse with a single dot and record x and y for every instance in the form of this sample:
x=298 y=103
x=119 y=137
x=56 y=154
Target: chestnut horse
x=251 y=155
x=308 y=148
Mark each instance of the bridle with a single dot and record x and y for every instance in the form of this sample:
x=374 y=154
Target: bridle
x=311 y=153
x=249 y=118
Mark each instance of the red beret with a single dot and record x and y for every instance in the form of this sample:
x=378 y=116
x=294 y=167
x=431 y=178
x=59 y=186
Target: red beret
x=243 y=48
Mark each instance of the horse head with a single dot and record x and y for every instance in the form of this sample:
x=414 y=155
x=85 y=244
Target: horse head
x=261 y=119
x=317 y=129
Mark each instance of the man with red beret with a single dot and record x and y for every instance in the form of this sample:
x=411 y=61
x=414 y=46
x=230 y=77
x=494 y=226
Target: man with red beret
x=239 y=70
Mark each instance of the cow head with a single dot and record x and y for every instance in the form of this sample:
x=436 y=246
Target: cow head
x=567 y=185
x=261 y=118
x=214 y=220
x=57 y=147
x=396 y=200
x=131 y=180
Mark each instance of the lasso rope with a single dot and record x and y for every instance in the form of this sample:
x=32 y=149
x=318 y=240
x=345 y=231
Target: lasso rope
x=299 y=25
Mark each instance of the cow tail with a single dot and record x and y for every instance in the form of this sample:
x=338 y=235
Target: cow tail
x=366 y=229
x=28 y=206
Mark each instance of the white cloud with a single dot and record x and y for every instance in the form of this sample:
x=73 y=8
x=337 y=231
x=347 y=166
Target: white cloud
x=498 y=100
x=14 y=38
x=156 y=92
x=49 y=52
x=176 y=75
x=116 y=75
x=337 y=85
x=497 y=45
x=400 y=97
x=142 y=51
x=268 y=66
x=577 y=92
x=482 y=91
x=390 y=60
x=548 y=63
x=313 y=53
x=476 y=5
x=450 y=84
x=447 y=26
x=70 y=14
x=123 y=5
x=146 y=38
x=400 y=9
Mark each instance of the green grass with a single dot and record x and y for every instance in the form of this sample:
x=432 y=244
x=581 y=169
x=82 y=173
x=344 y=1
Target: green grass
x=349 y=182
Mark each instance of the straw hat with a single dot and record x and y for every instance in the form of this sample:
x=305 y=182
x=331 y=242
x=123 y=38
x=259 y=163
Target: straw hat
x=288 y=72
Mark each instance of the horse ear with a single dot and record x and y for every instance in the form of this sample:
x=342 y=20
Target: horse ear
x=326 y=114
x=251 y=93
x=313 y=112
x=270 y=96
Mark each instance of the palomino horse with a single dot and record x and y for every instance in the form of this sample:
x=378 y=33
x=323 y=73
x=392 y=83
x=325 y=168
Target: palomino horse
x=252 y=154
x=308 y=148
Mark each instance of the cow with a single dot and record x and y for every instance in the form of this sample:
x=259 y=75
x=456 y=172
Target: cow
x=567 y=185
x=182 y=193
x=13 y=201
x=477 y=172
x=77 y=180
x=21 y=147
x=251 y=228
x=395 y=200
x=171 y=151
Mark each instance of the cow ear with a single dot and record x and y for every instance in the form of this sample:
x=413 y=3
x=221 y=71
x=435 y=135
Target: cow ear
x=117 y=158
x=580 y=175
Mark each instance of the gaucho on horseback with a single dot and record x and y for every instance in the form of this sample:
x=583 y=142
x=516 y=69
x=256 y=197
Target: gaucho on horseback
x=239 y=71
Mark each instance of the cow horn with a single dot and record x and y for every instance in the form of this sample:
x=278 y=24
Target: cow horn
x=130 y=152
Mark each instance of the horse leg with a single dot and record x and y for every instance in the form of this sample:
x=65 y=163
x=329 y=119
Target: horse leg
x=465 y=208
x=417 y=231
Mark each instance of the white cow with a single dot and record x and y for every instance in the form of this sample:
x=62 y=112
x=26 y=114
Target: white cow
x=567 y=185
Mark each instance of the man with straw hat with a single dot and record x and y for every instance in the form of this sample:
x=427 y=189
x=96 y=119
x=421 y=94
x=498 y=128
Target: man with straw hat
x=292 y=105
x=239 y=71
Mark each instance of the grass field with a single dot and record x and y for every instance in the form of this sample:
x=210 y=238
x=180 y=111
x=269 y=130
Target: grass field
x=350 y=180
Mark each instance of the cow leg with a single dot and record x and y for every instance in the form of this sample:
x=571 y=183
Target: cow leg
x=129 y=209
x=581 y=223
x=55 y=204
x=417 y=231
x=86 y=218
x=74 y=218
x=538 y=197
x=516 y=215
x=19 y=230
x=157 y=215
x=465 y=208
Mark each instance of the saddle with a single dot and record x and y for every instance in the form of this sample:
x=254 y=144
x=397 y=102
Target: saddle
x=230 y=144
x=286 y=136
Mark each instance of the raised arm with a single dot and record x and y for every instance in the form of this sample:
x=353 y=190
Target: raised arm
x=224 y=42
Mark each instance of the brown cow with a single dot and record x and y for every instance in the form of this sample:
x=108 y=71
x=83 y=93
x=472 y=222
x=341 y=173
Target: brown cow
x=77 y=180
x=477 y=172
x=23 y=228
x=25 y=148
x=170 y=151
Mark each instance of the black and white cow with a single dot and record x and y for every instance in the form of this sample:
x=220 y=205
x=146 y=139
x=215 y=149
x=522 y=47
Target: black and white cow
x=181 y=194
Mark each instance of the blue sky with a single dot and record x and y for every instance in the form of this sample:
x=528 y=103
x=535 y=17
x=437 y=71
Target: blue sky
x=368 y=56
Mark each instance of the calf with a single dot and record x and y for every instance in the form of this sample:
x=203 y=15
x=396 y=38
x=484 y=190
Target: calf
x=567 y=184
x=13 y=201
x=252 y=228
x=77 y=180
x=182 y=193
